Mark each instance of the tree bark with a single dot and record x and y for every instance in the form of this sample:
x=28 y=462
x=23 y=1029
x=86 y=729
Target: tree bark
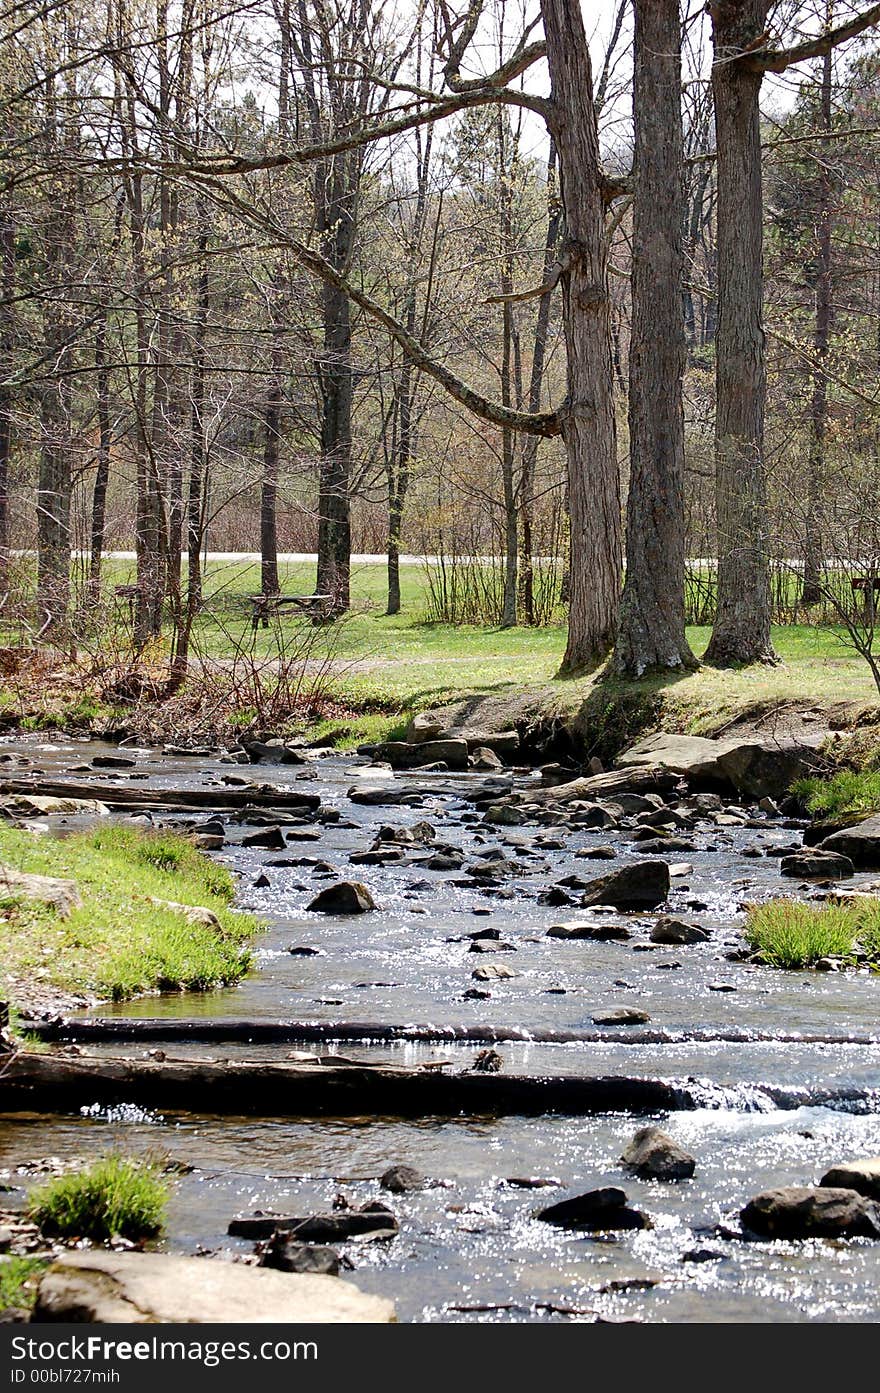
x=102 y=462
x=7 y=281
x=651 y=632
x=812 y=591
x=588 y=428
x=741 y=633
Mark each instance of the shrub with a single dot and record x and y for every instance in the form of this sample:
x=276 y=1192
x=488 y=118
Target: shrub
x=114 y=1196
x=788 y=934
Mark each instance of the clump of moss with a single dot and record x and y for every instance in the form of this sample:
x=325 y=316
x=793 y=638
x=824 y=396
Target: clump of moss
x=18 y=1281
x=114 y=1197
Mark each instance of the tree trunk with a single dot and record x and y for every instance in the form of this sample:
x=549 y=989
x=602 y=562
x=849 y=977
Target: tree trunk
x=811 y=592
x=102 y=463
x=269 y=583
x=589 y=430
x=7 y=281
x=741 y=633
x=651 y=632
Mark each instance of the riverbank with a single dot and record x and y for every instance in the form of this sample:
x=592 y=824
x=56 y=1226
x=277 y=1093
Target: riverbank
x=112 y=914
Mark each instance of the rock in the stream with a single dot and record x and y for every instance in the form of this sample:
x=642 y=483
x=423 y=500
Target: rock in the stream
x=400 y=1180
x=284 y=1254
x=61 y=896
x=643 y=885
x=336 y=1227
x=817 y=864
x=595 y=1211
x=400 y=754
x=860 y=843
x=157 y=1288
x=488 y=1062
x=272 y=838
x=272 y=752
x=35 y=805
x=863 y=1176
x=677 y=931
x=598 y=933
x=495 y=972
x=811 y=1212
x=758 y=768
x=485 y=760
x=621 y=1015
x=113 y=762
x=346 y=897
x=652 y=1155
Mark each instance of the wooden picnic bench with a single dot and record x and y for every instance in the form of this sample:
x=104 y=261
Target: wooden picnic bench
x=315 y=606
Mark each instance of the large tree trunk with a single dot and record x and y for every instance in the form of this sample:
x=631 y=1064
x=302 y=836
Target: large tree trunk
x=334 y=525
x=812 y=551
x=741 y=633
x=651 y=634
x=589 y=430
x=102 y=462
x=7 y=290
x=269 y=583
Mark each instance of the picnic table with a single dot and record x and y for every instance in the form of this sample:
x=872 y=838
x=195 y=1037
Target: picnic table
x=315 y=606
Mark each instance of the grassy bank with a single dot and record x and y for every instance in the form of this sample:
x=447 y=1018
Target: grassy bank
x=789 y=934
x=124 y=939
x=363 y=678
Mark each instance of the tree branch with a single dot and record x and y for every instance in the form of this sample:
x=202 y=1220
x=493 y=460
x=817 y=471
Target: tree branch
x=778 y=59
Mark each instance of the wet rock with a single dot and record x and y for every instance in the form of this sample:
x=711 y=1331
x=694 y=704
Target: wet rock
x=272 y=752
x=492 y=946
x=596 y=853
x=495 y=972
x=504 y=815
x=476 y=994
x=272 y=838
x=284 y=1255
x=555 y=898
x=861 y=843
x=346 y=897
x=400 y=1180
x=405 y=755
x=303 y=950
x=643 y=885
x=863 y=1176
x=387 y=856
x=335 y=1227
x=677 y=931
x=261 y=882
x=806 y=1212
x=806 y=865
x=112 y=762
x=721 y=987
x=158 y=1288
x=488 y=1062
x=652 y=1155
x=485 y=759
x=621 y=1015
x=595 y=1211
x=662 y=846
x=442 y=861
x=599 y=933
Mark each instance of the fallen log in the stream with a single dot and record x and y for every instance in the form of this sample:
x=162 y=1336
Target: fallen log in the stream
x=217 y=1030
x=45 y=1083
x=138 y=798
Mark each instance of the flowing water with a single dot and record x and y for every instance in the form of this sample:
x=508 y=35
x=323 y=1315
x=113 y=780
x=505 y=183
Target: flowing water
x=469 y=1247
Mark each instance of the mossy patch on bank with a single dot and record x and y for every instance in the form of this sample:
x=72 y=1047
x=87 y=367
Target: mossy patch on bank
x=18 y=1281
x=123 y=940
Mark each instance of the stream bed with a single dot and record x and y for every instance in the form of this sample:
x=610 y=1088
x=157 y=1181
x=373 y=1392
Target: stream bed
x=469 y=1247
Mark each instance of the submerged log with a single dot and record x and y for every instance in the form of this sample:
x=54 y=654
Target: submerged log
x=41 y=1082
x=208 y=1030
x=48 y=1083
x=126 y=796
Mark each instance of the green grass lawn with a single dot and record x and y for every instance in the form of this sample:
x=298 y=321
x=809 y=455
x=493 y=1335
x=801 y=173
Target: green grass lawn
x=381 y=668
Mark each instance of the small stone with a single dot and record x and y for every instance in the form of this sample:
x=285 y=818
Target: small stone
x=399 y=1180
x=622 y=1015
x=595 y=1211
x=652 y=1155
x=346 y=897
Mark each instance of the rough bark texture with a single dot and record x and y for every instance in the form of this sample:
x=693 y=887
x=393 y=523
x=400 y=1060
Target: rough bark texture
x=7 y=280
x=651 y=632
x=741 y=633
x=811 y=592
x=588 y=424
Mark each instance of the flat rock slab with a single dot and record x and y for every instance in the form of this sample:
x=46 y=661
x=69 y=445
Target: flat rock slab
x=755 y=767
x=149 y=1288
x=60 y=895
x=824 y=865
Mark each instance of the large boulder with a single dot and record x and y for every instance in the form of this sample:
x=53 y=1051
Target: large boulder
x=863 y=1176
x=861 y=843
x=813 y=865
x=643 y=885
x=346 y=897
x=595 y=1211
x=795 y=1211
x=652 y=1155
x=756 y=768
x=60 y=895
x=156 y=1288
x=400 y=754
